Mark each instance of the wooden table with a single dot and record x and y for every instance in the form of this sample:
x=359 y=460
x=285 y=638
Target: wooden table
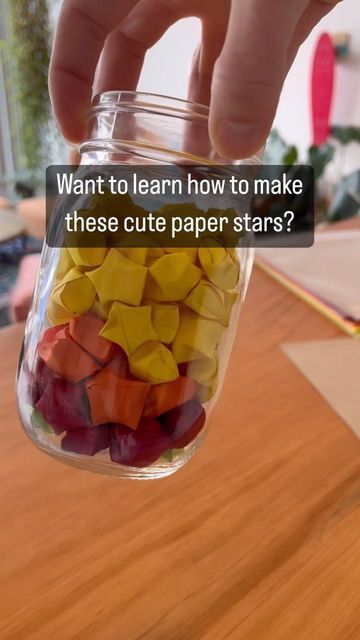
x=11 y=225
x=33 y=213
x=257 y=539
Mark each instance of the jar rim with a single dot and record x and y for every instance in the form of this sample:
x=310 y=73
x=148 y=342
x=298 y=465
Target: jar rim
x=146 y=101
x=113 y=102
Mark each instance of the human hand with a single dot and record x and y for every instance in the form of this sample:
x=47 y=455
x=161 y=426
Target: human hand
x=239 y=68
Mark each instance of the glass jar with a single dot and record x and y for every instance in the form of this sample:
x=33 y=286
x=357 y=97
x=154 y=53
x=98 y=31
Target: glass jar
x=84 y=396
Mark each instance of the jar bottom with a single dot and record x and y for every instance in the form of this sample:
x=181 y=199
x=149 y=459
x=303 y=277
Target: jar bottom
x=100 y=463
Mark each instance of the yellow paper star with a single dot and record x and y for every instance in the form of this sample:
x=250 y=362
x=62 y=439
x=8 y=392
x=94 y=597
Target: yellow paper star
x=98 y=310
x=203 y=371
x=172 y=277
x=206 y=300
x=119 y=279
x=190 y=251
x=87 y=257
x=230 y=298
x=137 y=255
x=196 y=338
x=219 y=267
x=128 y=326
x=57 y=314
x=64 y=265
x=154 y=363
x=165 y=319
x=75 y=292
x=153 y=253
x=205 y=392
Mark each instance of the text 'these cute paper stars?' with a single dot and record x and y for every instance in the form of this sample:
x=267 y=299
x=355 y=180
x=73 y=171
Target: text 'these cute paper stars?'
x=128 y=326
x=119 y=279
x=172 y=277
x=154 y=363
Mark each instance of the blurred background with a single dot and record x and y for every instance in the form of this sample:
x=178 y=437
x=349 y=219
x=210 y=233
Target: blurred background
x=29 y=140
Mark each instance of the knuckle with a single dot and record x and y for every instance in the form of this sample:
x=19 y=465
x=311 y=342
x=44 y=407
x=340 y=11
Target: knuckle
x=134 y=47
x=93 y=25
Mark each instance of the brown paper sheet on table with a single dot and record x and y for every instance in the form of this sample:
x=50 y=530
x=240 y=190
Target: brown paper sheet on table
x=333 y=367
x=330 y=269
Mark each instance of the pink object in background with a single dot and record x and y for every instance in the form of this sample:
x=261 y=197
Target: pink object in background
x=322 y=85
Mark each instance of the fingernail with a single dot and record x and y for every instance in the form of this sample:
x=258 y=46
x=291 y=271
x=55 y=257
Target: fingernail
x=237 y=139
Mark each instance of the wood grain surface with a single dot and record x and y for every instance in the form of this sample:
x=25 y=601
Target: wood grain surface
x=11 y=225
x=33 y=213
x=257 y=538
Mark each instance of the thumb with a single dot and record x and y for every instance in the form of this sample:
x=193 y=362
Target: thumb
x=250 y=72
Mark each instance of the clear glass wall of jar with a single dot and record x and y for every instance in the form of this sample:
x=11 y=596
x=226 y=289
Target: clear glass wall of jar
x=82 y=397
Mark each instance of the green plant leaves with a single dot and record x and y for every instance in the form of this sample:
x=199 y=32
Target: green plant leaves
x=38 y=422
x=319 y=157
x=30 y=52
x=346 y=201
x=291 y=156
x=170 y=454
x=345 y=135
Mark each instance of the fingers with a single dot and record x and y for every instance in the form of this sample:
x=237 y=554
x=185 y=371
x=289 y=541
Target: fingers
x=141 y=29
x=125 y=48
x=83 y=27
x=309 y=19
x=120 y=31
x=250 y=72
x=213 y=37
x=120 y=64
x=248 y=76
x=196 y=140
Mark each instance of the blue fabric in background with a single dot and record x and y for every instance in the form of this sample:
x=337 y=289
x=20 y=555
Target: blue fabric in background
x=11 y=254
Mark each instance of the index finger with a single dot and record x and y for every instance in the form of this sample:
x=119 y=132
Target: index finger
x=82 y=29
x=250 y=72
